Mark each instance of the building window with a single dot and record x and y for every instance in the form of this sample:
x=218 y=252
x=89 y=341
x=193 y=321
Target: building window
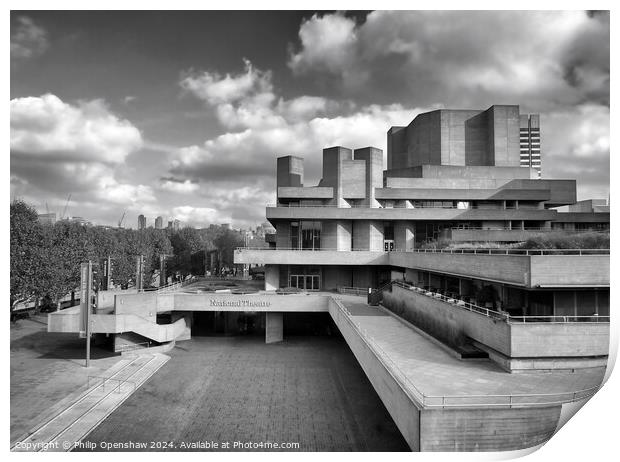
x=306 y=235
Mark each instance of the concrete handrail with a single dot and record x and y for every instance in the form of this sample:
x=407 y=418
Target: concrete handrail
x=473 y=400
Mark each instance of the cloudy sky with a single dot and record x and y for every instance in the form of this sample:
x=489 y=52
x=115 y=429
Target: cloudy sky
x=182 y=114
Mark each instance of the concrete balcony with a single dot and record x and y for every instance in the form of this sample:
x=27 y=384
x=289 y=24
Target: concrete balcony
x=310 y=257
x=315 y=192
x=430 y=213
x=507 y=269
x=462 y=194
x=520 y=268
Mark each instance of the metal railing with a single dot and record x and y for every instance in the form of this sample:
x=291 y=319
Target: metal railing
x=360 y=291
x=528 y=228
x=454 y=301
x=400 y=205
x=117 y=387
x=514 y=400
x=133 y=346
x=169 y=287
x=499 y=315
x=511 y=251
x=475 y=251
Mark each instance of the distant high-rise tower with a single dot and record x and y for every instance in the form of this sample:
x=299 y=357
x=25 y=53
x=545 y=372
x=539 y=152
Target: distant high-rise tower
x=159 y=223
x=529 y=141
x=141 y=222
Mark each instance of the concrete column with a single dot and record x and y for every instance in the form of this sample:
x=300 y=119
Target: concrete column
x=403 y=236
x=189 y=317
x=272 y=277
x=375 y=241
x=274 y=327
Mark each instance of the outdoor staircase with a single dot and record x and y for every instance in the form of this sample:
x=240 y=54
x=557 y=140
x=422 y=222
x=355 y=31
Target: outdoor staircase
x=62 y=430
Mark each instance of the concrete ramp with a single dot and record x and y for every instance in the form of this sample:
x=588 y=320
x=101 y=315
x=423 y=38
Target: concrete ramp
x=69 y=321
x=69 y=425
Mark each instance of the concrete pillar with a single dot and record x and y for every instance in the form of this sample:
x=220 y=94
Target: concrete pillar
x=375 y=241
x=374 y=172
x=189 y=317
x=404 y=236
x=332 y=171
x=274 y=327
x=272 y=277
x=343 y=229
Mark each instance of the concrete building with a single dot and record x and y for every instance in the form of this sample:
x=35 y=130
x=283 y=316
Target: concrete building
x=174 y=225
x=529 y=142
x=159 y=223
x=141 y=222
x=536 y=321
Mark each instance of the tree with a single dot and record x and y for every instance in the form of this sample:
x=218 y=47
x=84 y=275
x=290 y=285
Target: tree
x=26 y=237
x=65 y=247
x=226 y=243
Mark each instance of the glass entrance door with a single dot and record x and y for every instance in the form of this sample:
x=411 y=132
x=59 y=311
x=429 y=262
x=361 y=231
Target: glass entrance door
x=305 y=281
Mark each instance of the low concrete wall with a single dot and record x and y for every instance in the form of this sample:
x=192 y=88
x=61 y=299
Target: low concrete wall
x=310 y=257
x=511 y=269
x=569 y=270
x=527 y=340
x=267 y=303
x=105 y=298
x=403 y=410
x=533 y=340
x=486 y=429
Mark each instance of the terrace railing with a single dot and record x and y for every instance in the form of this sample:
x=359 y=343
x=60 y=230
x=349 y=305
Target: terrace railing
x=474 y=251
x=360 y=291
x=457 y=302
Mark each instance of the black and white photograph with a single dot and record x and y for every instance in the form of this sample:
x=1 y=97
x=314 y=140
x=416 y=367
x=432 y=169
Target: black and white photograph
x=315 y=230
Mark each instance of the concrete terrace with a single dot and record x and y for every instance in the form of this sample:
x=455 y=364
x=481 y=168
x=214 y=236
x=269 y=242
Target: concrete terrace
x=438 y=374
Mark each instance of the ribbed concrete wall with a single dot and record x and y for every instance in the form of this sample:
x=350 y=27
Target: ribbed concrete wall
x=486 y=429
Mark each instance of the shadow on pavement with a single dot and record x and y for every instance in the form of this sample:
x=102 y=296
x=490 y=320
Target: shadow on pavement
x=59 y=346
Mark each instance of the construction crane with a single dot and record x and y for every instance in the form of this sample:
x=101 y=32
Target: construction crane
x=47 y=209
x=66 y=205
x=120 y=222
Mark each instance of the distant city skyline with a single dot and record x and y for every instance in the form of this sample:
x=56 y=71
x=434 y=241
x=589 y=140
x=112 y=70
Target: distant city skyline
x=187 y=123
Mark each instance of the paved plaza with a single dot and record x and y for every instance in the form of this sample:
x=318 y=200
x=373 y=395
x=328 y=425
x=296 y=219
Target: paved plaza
x=45 y=369
x=306 y=390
